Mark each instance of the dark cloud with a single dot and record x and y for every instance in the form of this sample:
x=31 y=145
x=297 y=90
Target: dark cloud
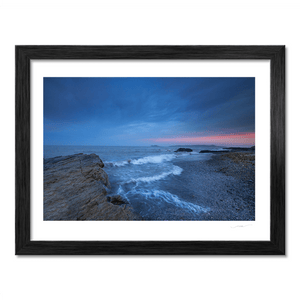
x=129 y=110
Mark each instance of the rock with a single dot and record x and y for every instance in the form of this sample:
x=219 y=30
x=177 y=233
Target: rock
x=75 y=188
x=239 y=148
x=213 y=151
x=91 y=166
x=117 y=200
x=184 y=150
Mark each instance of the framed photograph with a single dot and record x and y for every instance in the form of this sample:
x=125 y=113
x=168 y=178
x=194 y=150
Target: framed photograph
x=150 y=150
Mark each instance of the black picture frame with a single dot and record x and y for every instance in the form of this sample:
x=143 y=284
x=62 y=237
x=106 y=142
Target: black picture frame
x=23 y=244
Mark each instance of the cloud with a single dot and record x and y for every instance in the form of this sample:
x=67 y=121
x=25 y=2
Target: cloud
x=144 y=108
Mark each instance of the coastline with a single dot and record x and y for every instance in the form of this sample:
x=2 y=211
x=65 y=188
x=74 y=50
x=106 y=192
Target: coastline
x=76 y=188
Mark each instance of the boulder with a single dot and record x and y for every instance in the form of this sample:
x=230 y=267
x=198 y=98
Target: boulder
x=184 y=150
x=213 y=151
x=117 y=200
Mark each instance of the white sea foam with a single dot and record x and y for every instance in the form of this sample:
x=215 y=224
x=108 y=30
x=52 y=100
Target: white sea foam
x=159 y=195
x=153 y=159
x=144 y=160
x=116 y=163
x=120 y=163
x=122 y=192
x=175 y=171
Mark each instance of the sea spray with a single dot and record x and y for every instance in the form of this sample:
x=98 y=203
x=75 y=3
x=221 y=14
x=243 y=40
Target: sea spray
x=158 y=197
x=156 y=159
x=176 y=171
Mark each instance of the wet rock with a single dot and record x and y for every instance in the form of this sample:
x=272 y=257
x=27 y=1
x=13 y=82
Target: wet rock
x=117 y=200
x=184 y=150
x=213 y=151
x=240 y=148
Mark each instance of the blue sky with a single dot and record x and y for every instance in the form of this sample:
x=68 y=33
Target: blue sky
x=146 y=111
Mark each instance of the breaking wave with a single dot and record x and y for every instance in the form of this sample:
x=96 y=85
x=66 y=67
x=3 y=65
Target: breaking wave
x=176 y=171
x=144 y=160
x=153 y=159
x=159 y=195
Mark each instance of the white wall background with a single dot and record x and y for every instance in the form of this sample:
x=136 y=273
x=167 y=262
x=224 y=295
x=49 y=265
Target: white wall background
x=153 y=22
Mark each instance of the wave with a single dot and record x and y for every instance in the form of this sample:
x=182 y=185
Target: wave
x=153 y=159
x=119 y=163
x=159 y=195
x=144 y=160
x=194 y=153
x=176 y=171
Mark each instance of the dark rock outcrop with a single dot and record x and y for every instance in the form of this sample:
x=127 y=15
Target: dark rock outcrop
x=184 y=150
x=240 y=149
x=229 y=149
x=212 y=151
x=75 y=188
x=117 y=200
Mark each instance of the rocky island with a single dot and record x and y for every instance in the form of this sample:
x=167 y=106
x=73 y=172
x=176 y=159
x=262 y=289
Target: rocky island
x=75 y=188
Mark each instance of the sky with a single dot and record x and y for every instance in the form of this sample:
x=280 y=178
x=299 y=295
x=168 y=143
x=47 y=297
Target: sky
x=142 y=111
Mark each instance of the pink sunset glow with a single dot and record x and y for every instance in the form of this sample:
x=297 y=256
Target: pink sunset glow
x=244 y=138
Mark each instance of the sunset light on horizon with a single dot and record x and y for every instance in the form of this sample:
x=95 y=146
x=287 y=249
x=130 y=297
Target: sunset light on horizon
x=240 y=139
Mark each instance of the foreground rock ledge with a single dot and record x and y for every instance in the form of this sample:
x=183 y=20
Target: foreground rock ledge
x=75 y=189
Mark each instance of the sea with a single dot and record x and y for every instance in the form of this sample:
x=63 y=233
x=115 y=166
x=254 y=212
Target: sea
x=148 y=177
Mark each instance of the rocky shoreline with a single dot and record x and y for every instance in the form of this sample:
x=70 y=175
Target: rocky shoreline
x=75 y=188
x=225 y=184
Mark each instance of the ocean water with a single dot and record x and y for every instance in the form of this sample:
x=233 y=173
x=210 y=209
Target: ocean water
x=147 y=177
